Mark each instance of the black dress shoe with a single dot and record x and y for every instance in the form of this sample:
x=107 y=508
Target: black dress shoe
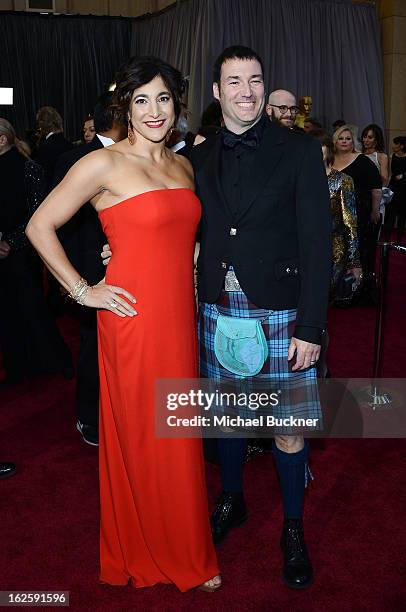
x=7 y=469
x=89 y=433
x=230 y=512
x=297 y=569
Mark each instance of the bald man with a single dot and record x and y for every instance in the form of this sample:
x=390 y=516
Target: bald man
x=282 y=107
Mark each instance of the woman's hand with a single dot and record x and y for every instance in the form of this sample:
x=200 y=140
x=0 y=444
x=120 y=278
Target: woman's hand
x=108 y=297
x=357 y=272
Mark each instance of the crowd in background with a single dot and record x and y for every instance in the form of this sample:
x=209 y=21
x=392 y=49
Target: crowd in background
x=368 y=200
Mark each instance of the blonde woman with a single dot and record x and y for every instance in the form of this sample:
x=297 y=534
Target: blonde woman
x=368 y=189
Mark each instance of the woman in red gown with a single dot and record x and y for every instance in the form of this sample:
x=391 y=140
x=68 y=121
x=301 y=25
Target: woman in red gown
x=154 y=515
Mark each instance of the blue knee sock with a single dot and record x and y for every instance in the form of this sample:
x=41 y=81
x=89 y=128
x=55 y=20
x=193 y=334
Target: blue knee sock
x=293 y=472
x=232 y=453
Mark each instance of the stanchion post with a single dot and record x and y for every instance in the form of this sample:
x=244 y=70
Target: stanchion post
x=379 y=396
x=380 y=313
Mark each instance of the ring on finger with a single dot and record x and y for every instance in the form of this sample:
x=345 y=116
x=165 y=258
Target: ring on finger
x=113 y=304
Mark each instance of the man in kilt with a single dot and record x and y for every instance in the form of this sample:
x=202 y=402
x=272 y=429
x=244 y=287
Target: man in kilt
x=265 y=254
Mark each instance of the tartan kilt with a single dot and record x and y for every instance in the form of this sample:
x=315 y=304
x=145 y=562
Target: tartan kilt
x=299 y=396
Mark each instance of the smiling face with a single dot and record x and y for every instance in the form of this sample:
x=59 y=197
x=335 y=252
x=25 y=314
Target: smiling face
x=279 y=99
x=345 y=143
x=152 y=112
x=240 y=93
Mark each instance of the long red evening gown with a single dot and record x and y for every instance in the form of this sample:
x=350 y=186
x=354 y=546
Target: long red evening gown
x=154 y=513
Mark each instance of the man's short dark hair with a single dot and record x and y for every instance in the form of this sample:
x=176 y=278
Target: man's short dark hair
x=235 y=52
x=104 y=115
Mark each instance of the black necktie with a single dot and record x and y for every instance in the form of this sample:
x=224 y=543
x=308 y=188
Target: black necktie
x=248 y=139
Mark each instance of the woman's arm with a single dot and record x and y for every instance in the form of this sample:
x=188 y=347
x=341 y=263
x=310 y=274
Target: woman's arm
x=84 y=181
x=384 y=168
x=373 y=182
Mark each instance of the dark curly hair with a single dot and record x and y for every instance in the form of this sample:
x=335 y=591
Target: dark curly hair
x=139 y=71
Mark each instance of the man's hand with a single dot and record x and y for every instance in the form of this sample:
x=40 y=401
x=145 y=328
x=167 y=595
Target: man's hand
x=4 y=249
x=307 y=354
x=106 y=254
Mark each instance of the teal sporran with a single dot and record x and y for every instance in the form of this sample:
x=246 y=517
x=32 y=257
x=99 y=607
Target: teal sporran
x=240 y=345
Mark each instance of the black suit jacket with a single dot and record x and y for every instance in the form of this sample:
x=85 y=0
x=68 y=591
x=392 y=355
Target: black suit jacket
x=82 y=237
x=48 y=153
x=280 y=243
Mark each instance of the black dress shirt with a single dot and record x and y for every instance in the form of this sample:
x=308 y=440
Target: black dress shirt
x=237 y=165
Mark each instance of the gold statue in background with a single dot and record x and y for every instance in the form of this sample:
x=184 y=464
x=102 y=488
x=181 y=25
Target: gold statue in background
x=305 y=105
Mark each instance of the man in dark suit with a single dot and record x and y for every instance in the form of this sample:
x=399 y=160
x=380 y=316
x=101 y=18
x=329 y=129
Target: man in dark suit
x=265 y=238
x=52 y=142
x=83 y=239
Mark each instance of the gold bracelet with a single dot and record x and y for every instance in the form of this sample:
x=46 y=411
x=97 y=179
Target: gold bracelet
x=79 y=291
x=81 y=298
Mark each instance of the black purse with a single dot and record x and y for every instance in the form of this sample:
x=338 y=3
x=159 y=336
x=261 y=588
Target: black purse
x=346 y=288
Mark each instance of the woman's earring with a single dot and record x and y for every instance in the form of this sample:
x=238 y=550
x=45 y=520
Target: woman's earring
x=169 y=134
x=131 y=135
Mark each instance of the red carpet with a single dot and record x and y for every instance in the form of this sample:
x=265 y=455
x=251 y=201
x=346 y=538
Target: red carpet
x=354 y=518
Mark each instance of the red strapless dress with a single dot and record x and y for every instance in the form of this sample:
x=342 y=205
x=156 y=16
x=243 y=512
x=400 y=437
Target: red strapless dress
x=154 y=513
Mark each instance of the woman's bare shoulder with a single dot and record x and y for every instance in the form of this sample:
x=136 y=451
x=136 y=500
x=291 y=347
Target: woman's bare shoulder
x=184 y=163
x=98 y=162
x=95 y=160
